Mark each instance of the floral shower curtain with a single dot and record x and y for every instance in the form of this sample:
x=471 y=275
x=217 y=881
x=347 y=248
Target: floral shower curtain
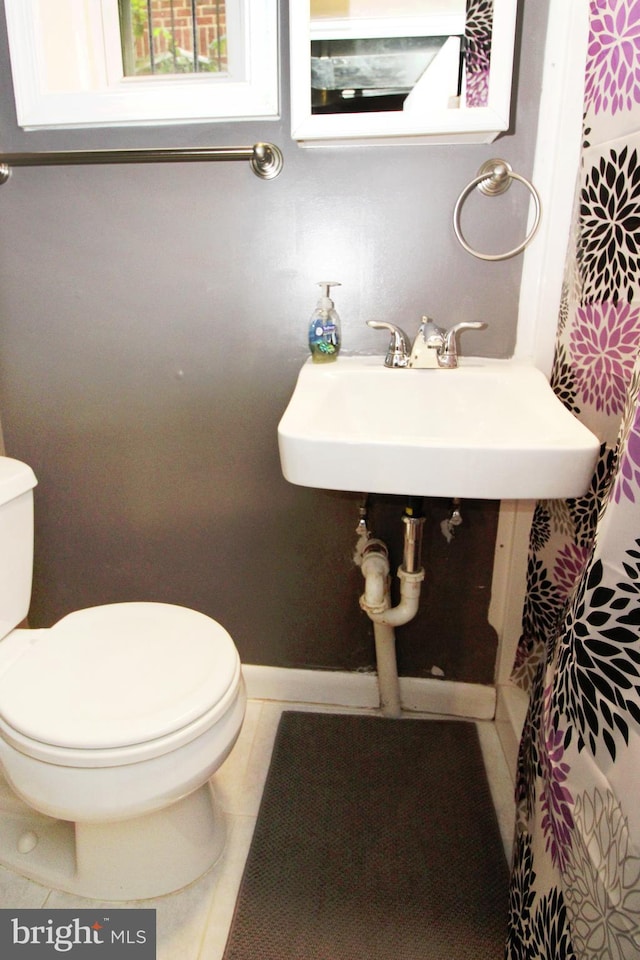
x=575 y=889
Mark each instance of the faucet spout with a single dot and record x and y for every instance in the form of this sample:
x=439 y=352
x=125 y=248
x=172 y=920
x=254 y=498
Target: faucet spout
x=435 y=348
x=427 y=346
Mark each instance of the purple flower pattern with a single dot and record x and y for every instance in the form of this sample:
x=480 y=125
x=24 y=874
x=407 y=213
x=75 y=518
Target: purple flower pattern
x=479 y=25
x=613 y=61
x=603 y=346
x=555 y=799
x=628 y=478
x=478 y=88
x=570 y=562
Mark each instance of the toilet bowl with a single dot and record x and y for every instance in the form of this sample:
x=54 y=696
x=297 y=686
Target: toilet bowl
x=112 y=723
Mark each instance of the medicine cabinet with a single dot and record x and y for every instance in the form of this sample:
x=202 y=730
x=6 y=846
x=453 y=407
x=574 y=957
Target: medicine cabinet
x=436 y=71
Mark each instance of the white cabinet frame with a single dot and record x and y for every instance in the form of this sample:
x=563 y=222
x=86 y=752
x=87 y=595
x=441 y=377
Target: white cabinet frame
x=440 y=124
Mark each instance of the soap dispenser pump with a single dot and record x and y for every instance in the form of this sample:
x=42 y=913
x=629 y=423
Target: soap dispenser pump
x=324 y=327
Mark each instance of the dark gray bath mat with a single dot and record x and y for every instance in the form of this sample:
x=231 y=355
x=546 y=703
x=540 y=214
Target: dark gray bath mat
x=376 y=840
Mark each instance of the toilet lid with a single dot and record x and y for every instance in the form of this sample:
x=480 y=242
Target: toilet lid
x=118 y=675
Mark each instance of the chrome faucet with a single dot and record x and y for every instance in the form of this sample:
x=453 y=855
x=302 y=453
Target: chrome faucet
x=433 y=347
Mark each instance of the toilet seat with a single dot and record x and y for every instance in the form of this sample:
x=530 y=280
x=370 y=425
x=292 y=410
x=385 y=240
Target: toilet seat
x=118 y=683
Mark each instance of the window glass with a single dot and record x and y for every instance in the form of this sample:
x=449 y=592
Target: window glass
x=173 y=36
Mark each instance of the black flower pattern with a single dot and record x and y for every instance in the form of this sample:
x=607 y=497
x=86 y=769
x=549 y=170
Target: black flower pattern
x=597 y=683
x=563 y=312
x=540 y=526
x=550 y=931
x=561 y=519
x=529 y=766
x=563 y=381
x=478 y=30
x=529 y=655
x=586 y=510
x=629 y=413
x=608 y=251
x=521 y=899
x=538 y=928
x=544 y=605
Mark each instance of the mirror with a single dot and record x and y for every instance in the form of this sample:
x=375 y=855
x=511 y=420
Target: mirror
x=435 y=70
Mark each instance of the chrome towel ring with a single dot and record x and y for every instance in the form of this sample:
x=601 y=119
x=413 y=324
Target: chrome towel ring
x=494 y=177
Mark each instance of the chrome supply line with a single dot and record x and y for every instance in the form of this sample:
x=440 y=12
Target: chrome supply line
x=265 y=158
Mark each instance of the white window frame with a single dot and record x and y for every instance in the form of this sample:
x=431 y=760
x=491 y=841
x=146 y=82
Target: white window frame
x=95 y=92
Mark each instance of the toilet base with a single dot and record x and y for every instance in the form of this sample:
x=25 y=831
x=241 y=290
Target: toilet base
x=135 y=859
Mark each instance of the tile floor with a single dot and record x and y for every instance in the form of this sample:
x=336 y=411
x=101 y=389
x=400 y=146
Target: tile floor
x=193 y=923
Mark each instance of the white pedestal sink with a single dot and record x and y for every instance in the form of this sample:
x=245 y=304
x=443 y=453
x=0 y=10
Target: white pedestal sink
x=490 y=429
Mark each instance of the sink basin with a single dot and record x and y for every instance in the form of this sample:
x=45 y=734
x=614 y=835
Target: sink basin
x=491 y=429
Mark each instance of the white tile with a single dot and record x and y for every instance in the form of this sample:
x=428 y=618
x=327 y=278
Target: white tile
x=226 y=891
x=18 y=892
x=180 y=917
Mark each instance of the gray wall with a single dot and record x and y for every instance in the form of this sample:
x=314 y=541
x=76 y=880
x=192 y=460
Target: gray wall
x=153 y=321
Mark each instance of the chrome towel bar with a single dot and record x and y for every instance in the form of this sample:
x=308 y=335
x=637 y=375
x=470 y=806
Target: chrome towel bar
x=265 y=158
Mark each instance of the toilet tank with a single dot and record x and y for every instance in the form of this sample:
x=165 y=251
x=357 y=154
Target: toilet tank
x=17 y=481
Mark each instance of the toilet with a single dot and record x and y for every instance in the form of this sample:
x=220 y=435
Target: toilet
x=112 y=724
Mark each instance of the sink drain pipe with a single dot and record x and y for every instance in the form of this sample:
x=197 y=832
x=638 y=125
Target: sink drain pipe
x=376 y=602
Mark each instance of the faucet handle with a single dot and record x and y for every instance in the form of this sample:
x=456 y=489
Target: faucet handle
x=399 y=348
x=449 y=355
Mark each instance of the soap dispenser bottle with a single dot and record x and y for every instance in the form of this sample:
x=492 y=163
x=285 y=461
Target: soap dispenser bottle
x=324 y=327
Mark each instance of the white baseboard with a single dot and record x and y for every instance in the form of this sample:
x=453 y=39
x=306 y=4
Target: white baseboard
x=343 y=689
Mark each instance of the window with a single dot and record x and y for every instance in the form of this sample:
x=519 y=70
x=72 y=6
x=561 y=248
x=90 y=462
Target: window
x=115 y=62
